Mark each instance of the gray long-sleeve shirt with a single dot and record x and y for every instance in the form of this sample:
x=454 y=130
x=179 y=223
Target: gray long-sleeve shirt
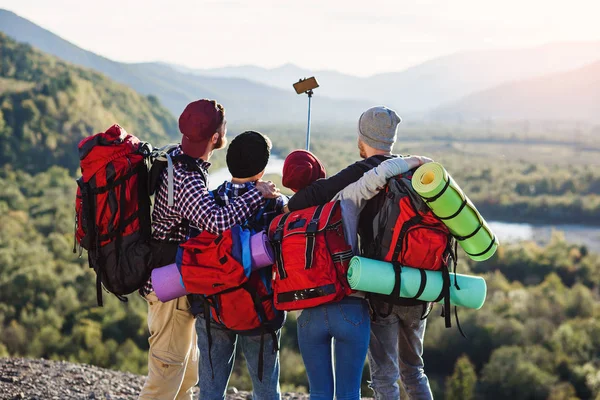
x=355 y=196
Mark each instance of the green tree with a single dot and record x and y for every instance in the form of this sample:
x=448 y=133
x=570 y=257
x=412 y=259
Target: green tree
x=461 y=385
x=513 y=372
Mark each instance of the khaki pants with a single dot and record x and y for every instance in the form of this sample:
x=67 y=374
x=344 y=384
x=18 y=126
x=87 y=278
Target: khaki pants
x=173 y=353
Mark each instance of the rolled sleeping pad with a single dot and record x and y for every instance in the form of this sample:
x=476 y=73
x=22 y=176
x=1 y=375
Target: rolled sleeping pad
x=379 y=277
x=167 y=283
x=261 y=251
x=449 y=203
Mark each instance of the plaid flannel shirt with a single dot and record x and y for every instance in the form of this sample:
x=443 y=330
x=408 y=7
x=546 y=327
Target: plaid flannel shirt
x=193 y=202
x=228 y=192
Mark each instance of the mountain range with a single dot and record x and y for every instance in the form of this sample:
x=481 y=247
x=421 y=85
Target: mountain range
x=474 y=84
x=48 y=105
x=572 y=95
x=245 y=100
x=432 y=83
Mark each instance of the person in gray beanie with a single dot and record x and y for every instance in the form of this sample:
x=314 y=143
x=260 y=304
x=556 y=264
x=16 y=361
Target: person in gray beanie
x=377 y=127
x=396 y=342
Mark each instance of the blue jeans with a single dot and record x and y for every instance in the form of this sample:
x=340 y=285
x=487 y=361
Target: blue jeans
x=396 y=351
x=347 y=323
x=222 y=353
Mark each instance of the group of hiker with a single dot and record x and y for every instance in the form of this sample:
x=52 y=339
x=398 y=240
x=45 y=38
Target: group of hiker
x=188 y=346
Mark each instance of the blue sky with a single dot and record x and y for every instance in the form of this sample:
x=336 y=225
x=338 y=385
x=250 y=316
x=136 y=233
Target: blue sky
x=355 y=37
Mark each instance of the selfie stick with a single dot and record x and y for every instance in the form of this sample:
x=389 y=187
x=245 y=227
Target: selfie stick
x=307 y=85
x=309 y=93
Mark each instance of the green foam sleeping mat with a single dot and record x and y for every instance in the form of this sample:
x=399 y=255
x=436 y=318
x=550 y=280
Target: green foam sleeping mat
x=379 y=277
x=448 y=202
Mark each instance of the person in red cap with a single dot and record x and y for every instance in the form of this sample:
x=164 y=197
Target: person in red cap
x=300 y=169
x=396 y=344
x=345 y=321
x=183 y=203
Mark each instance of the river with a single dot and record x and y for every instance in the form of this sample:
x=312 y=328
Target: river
x=506 y=231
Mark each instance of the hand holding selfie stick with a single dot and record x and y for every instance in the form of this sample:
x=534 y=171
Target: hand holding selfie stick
x=306 y=86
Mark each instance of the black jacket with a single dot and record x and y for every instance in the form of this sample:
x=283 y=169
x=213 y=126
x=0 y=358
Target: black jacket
x=324 y=190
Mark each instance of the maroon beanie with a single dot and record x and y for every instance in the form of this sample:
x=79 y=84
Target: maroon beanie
x=198 y=122
x=300 y=169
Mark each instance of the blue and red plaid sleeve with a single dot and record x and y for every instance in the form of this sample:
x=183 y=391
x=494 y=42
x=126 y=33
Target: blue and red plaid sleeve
x=199 y=207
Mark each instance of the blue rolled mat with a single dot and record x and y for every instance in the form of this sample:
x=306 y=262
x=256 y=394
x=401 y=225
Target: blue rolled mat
x=379 y=277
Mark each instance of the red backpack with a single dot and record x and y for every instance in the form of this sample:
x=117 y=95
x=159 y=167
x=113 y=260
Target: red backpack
x=312 y=257
x=219 y=267
x=407 y=233
x=112 y=220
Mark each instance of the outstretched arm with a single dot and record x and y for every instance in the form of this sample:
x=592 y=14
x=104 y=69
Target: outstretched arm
x=199 y=207
x=354 y=197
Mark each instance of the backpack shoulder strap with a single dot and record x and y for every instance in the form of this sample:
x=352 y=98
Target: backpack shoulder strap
x=162 y=158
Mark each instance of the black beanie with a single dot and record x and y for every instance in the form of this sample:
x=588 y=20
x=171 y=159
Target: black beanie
x=248 y=154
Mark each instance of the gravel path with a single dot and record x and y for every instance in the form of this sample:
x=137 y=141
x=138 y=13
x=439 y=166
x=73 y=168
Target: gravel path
x=60 y=380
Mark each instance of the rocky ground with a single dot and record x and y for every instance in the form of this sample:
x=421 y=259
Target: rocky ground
x=60 y=380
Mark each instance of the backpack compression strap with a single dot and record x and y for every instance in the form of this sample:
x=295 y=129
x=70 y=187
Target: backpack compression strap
x=277 y=238
x=262 y=316
x=396 y=290
x=311 y=231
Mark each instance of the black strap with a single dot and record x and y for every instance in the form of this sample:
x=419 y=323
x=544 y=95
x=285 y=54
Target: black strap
x=114 y=183
x=305 y=294
x=94 y=242
x=209 y=336
x=462 y=207
x=262 y=315
x=486 y=250
x=402 y=236
x=437 y=196
x=119 y=237
x=458 y=323
x=144 y=212
x=397 y=284
x=422 y=285
x=120 y=228
x=311 y=231
x=455 y=262
x=342 y=256
x=470 y=235
x=277 y=238
x=396 y=290
x=98 y=289
x=445 y=294
x=372 y=310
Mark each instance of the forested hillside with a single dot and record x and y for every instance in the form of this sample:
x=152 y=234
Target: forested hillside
x=47 y=106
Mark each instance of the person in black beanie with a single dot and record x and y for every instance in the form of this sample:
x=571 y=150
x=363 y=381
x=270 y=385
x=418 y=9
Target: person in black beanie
x=248 y=155
x=247 y=158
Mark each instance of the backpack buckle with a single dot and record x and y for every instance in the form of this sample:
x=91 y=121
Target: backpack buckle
x=312 y=228
x=278 y=235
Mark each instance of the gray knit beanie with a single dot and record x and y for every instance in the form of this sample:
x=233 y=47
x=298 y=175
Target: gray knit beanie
x=377 y=127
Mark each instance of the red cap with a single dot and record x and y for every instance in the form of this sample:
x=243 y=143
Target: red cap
x=300 y=169
x=198 y=122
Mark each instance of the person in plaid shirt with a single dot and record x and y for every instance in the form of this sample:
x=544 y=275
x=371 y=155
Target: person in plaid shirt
x=173 y=352
x=247 y=158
